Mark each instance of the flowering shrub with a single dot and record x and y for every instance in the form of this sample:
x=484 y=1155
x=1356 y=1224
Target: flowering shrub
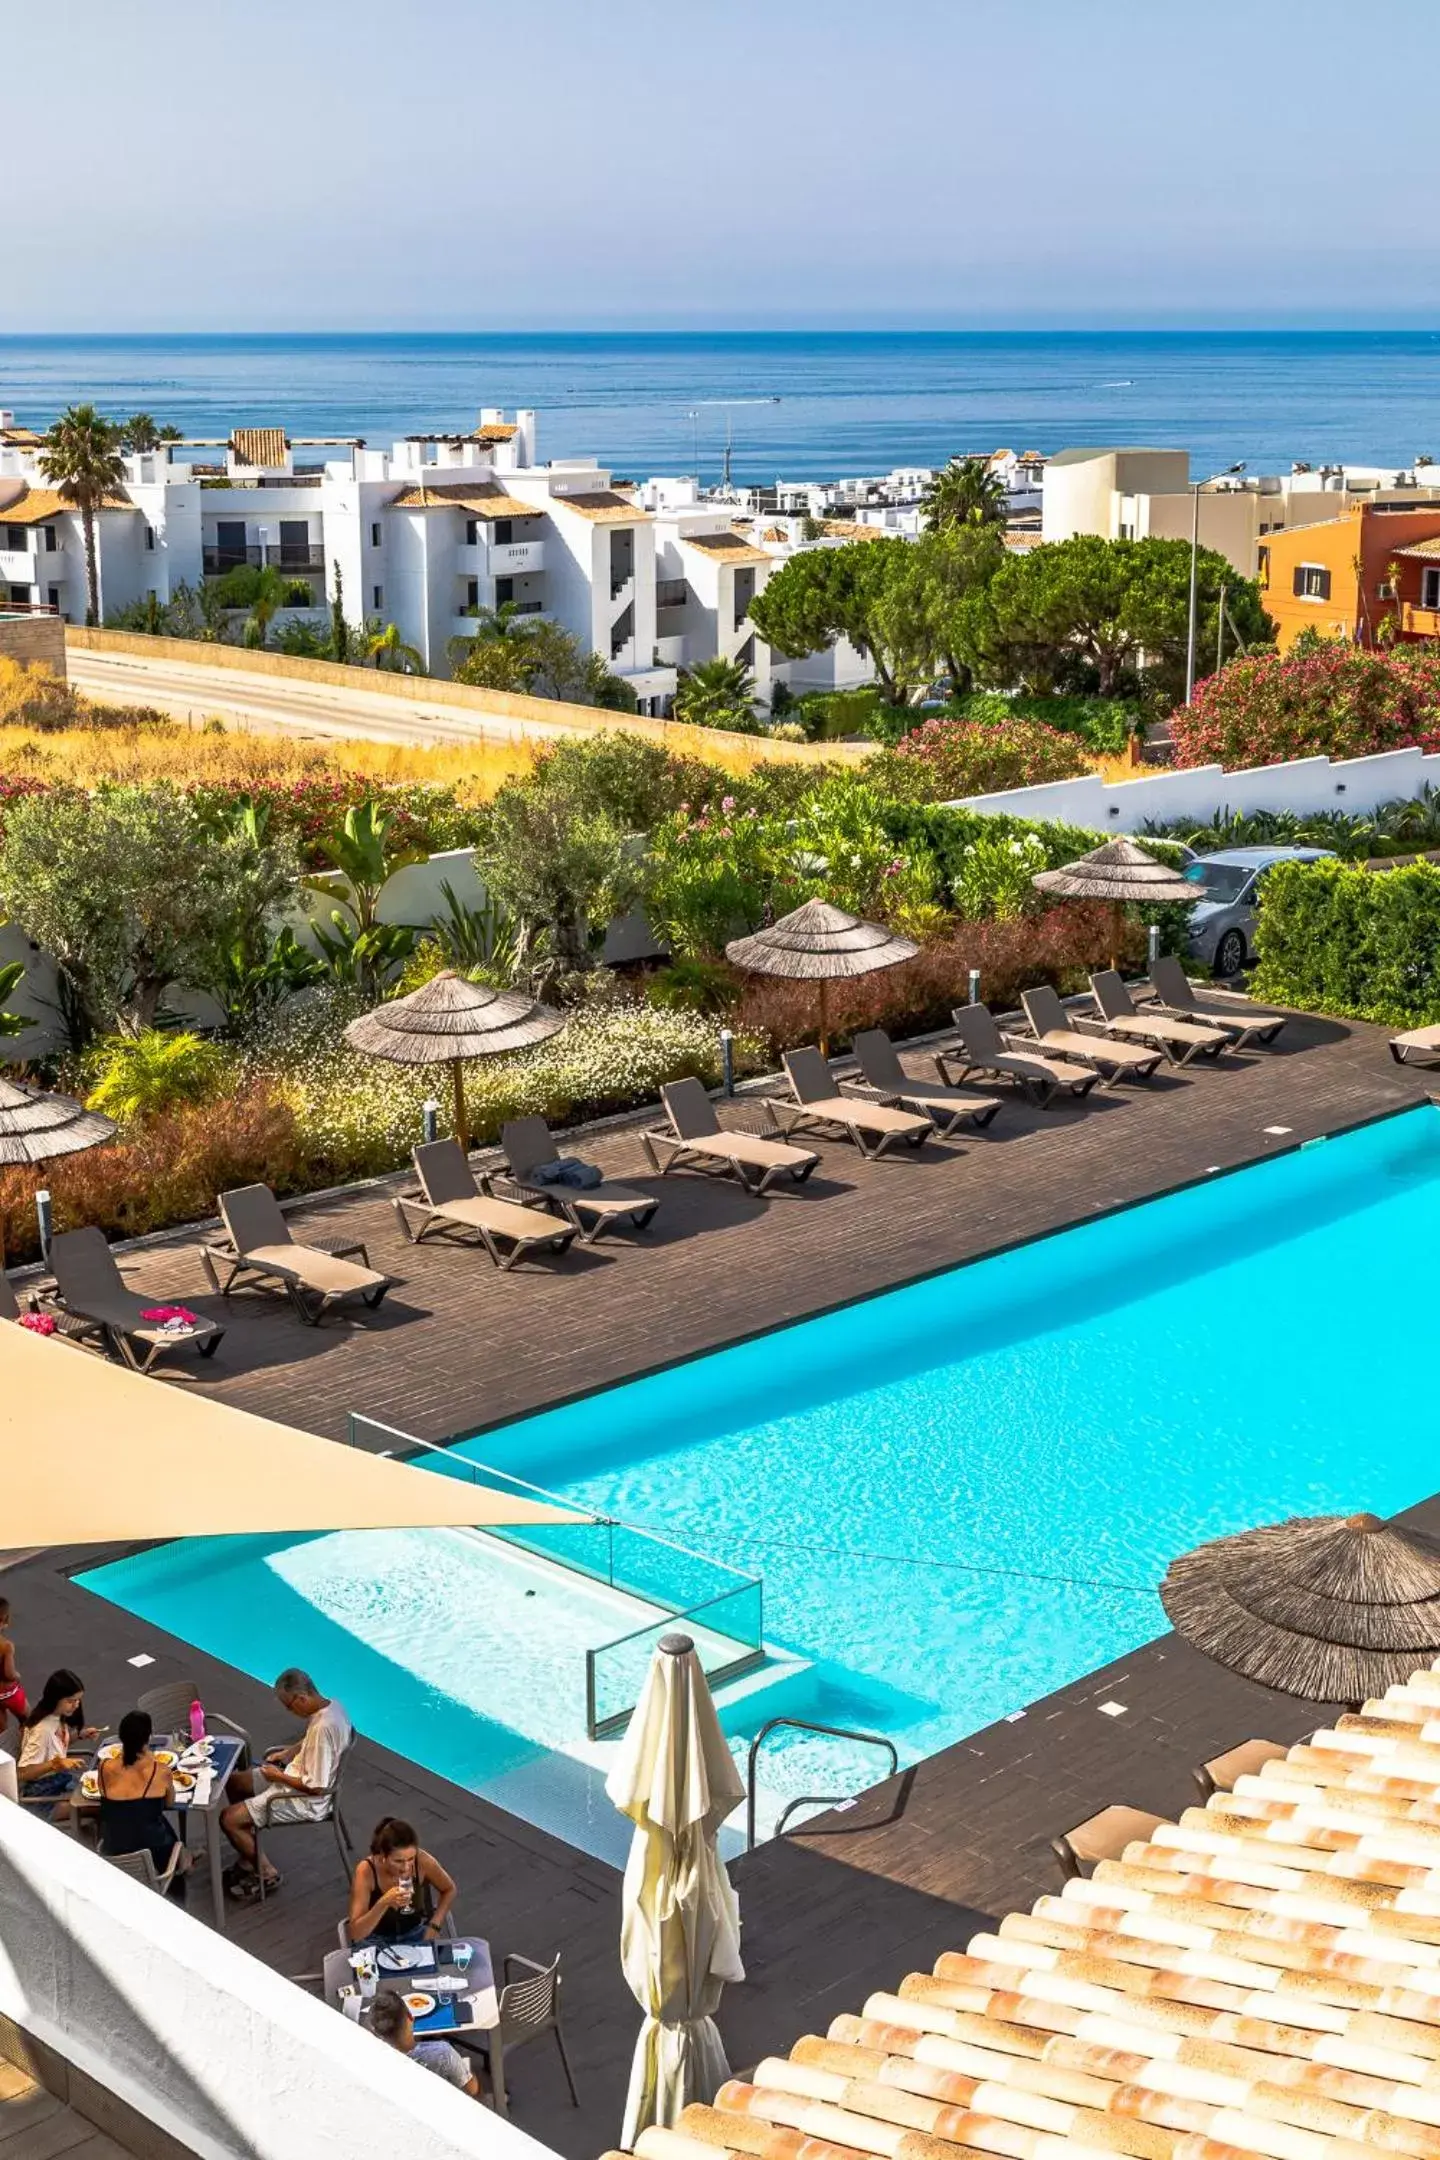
x=996 y=877
x=164 y=1172
x=1061 y=946
x=948 y=758
x=356 y=1115
x=1330 y=700
x=709 y=876
x=428 y=816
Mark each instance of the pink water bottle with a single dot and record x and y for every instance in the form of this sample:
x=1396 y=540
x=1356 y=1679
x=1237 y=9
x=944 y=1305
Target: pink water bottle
x=197 y=1719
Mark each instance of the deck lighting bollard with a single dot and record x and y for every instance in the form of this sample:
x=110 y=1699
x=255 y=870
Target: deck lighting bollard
x=430 y=1113
x=1152 y=944
x=727 y=1060
x=974 y=986
x=45 y=1219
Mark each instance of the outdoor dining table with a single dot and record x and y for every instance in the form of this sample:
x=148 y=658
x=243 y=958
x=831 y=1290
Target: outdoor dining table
x=472 y=2015
x=225 y=1752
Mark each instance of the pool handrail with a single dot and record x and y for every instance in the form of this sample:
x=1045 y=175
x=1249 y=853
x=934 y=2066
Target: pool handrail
x=833 y=1732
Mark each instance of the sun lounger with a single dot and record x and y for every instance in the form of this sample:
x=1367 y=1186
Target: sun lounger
x=452 y=1204
x=87 y=1334
x=527 y=1145
x=698 y=1141
x=1180 y=1040
x=259 y=1246
x=1174 y=992
x=1056 y=1034
x=90 y=1287
x=947 y=1107
x=1419 y=1046
x=1103 y=1837
x=984 y=1049
x=819 y=1106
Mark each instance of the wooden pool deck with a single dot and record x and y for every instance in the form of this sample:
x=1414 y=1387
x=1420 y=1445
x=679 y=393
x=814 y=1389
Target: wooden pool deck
x=855 y=1900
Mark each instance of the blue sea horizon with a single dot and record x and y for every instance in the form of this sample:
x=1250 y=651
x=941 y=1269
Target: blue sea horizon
x=798 y=404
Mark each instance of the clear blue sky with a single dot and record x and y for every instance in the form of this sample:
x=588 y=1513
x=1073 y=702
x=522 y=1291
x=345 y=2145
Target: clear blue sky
x=461 y=164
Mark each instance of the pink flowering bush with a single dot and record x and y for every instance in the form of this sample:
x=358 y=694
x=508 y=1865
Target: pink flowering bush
x=949 y=758
x=1332 y=700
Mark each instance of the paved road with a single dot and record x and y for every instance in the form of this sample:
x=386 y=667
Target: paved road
x=289 y=706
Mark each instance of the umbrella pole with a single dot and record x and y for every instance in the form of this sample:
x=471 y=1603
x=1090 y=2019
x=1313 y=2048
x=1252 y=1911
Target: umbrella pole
x=824 y=1019
x=1117 y=933
x=462 y=1133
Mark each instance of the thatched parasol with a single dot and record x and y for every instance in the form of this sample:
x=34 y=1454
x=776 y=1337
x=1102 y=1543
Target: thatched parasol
x=36 y=1127
x=1122 y=873
x=822 y=944
x=1333 y=1608
x=448 y=1020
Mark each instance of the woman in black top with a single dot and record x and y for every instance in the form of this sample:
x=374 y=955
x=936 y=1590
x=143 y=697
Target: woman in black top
x=135 y=1791
x=398 y=1893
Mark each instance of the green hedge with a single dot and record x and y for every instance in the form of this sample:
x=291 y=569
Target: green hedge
x=1365 y=944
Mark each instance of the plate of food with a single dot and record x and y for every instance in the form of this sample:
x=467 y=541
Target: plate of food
x=166 y=1757
x=89 y=1785
x=104 y=1754
x=184 y=1781
x=419 y=2004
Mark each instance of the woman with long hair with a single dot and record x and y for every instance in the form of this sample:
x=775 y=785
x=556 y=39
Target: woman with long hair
x=48 y=1768
x=135 y=1791
x=399 y=1893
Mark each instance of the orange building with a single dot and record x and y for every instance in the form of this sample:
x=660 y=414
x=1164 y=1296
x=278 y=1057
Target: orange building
x=1378 y=565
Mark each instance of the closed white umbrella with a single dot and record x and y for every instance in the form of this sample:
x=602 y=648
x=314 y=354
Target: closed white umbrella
x=680 y=1925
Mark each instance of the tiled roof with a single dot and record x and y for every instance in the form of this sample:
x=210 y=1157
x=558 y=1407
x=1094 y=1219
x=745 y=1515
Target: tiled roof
x=850 y=529
x=259 y=445
x=1261 y=1978
x=1424 y=550
x=604 y=507
x=732 y=547
x=495 y=431
x=37 y=504
x=480 y=498
x=20 y=438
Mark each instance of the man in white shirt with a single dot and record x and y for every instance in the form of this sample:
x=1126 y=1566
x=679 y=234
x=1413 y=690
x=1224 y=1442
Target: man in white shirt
x=294 y=1784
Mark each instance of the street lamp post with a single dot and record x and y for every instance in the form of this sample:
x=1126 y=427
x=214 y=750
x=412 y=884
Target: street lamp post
x=1231 y=472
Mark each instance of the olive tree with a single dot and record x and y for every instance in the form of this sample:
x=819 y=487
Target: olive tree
x=133 y=889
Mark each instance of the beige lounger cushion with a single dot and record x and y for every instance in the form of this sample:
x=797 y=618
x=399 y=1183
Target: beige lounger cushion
x=750 y=1148
x=311 y=1270
x=503 y=1218
x=1092 y=1046
x=1164 y=1029
x=854 y=1110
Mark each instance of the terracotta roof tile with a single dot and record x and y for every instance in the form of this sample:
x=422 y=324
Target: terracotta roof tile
x=1262 y=1977
x=604 y=507
x=259 y=445
x=38 y=504
x=480 y=499
x=732 y=546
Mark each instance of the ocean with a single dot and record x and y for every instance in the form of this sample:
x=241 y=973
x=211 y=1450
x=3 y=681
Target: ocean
x=796 y=405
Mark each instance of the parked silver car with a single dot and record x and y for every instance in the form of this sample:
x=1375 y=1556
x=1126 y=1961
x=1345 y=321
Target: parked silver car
x=1222 y=926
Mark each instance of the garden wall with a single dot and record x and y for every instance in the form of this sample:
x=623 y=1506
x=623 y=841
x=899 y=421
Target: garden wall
x=36 y=641
x=1305 y=785
x=128 y=1996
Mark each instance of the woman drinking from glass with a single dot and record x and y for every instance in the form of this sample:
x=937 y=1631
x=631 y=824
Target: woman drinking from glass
x=399 y=1893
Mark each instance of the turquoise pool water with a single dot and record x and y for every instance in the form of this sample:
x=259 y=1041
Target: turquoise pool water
x=960 y=1495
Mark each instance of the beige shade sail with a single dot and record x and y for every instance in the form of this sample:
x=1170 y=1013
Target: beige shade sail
x=93 y=1454
x=677 y=1781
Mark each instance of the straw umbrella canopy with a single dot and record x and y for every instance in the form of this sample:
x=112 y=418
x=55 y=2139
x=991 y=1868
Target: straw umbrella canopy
x=37 y=1127
x=448 y=1020
x=680 y=1922
x=1121 y=873
x=1332 y=1608
x=820 y=943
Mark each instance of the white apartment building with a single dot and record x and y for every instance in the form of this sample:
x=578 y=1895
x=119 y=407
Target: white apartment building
x=424 y=534
x=1132 y=492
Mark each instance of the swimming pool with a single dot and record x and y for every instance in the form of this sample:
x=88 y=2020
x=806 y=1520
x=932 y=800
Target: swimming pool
x=960 y=1494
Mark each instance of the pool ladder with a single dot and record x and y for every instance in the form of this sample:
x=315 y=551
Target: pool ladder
x=833 y=1732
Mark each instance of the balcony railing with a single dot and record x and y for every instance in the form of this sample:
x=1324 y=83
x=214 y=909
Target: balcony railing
x=671 y=592
x=1418 y=621
x=293 y=559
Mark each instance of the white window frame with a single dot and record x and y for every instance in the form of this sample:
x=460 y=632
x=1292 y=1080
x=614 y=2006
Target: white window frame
x=1430 y=586
x=1320 y=570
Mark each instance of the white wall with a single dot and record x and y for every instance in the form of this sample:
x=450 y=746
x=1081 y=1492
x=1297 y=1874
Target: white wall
x=1305 y=785
x=196 y=2035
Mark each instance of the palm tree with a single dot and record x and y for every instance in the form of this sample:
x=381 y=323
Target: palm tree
x=387 y=649
x=968 y=492
x=81 y=456
x=140 y=432
x=717 y=693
